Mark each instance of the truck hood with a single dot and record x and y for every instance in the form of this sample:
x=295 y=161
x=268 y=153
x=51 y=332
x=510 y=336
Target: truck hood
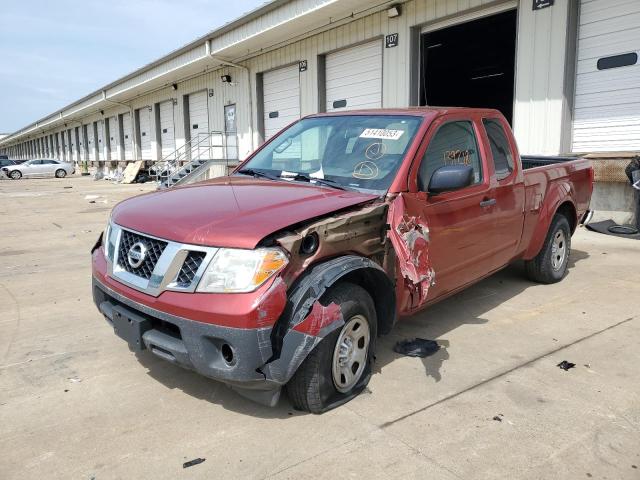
x=230 y=211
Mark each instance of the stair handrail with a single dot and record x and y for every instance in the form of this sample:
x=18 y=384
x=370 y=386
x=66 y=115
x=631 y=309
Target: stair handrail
x=166 y=167
x=205 y=137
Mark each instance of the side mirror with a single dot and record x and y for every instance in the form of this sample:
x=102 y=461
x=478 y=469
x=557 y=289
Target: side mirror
x=450 y=177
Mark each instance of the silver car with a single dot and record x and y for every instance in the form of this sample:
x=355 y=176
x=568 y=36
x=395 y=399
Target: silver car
x=39 y=168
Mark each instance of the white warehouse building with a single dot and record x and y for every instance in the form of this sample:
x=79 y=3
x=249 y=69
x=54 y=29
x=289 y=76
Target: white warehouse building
x=564 y=72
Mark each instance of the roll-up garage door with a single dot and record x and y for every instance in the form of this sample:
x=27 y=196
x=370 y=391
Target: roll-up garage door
x=100 y=144
x=607 y=102
x=56 y=147
x=354 y=77
x=144 y=127
x=63 y=146
x=113 y=138
x=199 y=124
x=69 y=146
x=167 y=138
x=127 y=137
x=281 y=92
x=91 y=143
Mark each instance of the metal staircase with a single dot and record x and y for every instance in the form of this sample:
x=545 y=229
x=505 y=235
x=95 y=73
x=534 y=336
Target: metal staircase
x=190 y=159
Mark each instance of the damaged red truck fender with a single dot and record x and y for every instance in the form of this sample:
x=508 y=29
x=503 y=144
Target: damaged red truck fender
x=286 y=271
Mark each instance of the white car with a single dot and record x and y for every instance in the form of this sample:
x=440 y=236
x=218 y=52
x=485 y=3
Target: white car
x=39 y=168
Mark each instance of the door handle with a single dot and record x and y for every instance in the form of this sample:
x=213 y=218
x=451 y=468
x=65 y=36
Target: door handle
x=488 y=202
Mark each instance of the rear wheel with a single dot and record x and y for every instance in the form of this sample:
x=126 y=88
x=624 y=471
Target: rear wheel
x=339 y=367
x=60 y=173
x=550 y=265
x=16 y=175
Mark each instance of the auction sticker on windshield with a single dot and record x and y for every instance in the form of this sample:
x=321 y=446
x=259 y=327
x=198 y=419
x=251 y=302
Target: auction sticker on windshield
x=381 y=133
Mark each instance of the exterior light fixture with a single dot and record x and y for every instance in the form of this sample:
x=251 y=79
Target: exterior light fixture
x=174 y=86
x=394 y=11
x=226 y=78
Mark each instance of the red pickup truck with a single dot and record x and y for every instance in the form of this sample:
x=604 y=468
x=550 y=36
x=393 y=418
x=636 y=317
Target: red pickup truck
x=285 y=272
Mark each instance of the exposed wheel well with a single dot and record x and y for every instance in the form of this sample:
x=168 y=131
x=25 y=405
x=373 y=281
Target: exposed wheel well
x=568 y=210
x=382 y=291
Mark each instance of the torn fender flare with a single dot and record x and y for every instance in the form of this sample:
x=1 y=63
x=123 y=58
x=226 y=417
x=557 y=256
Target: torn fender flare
x=305 y=321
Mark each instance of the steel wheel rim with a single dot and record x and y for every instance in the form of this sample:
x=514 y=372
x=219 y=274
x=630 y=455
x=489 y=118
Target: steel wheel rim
x=15 y=175
x=61 y=174
x=558 y=250
x=350 y=353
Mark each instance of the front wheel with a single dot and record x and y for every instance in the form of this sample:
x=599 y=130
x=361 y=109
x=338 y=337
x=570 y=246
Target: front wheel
x=339 y=367
x=550 y=265
x=16 y=175
x=60 y=173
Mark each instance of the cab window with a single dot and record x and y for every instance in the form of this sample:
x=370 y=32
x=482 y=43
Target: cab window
x=500 y=149
x=453 y=144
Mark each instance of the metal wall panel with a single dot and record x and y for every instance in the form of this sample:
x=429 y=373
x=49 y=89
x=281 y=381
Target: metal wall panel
x=540 y=92
x=607 y=102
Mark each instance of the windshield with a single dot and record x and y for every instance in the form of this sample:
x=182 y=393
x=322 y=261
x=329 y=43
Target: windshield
x=361 y=152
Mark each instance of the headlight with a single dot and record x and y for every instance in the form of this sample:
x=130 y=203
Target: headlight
x=233 y=270
x=105 y=239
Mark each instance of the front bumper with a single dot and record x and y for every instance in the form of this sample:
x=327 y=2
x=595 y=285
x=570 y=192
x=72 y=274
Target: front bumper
x=195 y=331
x=230 y=355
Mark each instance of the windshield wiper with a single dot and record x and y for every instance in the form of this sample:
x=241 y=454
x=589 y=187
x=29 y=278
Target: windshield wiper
x=258 y=174
x=322 y=181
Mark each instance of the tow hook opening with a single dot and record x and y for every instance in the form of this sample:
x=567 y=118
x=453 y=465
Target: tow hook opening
x=227 y=353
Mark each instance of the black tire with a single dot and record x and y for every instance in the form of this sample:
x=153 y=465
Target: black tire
x=15 y=174
x=541 y=269
x=312 y=387
x=61 y=173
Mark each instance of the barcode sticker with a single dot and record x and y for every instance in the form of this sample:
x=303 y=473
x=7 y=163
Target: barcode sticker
x=381 y=133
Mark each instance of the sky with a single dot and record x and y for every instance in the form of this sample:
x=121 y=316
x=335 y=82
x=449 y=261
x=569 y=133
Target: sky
x=53 y=53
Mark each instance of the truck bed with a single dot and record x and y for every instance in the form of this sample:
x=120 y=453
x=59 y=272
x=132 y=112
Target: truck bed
x=533 y=161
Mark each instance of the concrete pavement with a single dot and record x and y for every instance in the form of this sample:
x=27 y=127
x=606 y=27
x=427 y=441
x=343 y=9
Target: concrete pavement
x=75 y=403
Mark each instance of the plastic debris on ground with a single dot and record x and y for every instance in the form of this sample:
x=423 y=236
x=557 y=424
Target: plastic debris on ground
x=418 y=347
x=564 y=365
x=191 y=463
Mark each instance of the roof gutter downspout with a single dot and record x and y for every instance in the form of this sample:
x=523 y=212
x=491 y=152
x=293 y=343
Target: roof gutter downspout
x=133 y=118
x=243 y=67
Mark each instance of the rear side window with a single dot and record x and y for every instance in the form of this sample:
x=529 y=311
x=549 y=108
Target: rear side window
x=500 y=148
x=453 y=144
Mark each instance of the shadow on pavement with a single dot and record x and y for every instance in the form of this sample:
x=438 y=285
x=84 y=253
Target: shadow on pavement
x=465 y=308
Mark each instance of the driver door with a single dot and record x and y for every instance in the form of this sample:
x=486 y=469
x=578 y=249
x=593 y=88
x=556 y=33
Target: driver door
x=33 y=169
x=460 y=222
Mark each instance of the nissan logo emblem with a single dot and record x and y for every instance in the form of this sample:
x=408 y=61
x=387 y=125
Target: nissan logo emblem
x=136 y=255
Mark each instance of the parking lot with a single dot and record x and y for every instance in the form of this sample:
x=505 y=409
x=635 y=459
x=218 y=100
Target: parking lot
x=76 y=403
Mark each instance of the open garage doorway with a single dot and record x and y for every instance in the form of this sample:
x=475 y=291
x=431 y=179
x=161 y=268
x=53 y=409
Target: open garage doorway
x=471 y=64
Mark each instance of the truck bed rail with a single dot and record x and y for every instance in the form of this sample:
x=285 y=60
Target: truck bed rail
x=532 y=161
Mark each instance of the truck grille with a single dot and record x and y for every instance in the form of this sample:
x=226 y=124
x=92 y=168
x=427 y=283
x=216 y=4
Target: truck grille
x=189 y=268
x=154 y=250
